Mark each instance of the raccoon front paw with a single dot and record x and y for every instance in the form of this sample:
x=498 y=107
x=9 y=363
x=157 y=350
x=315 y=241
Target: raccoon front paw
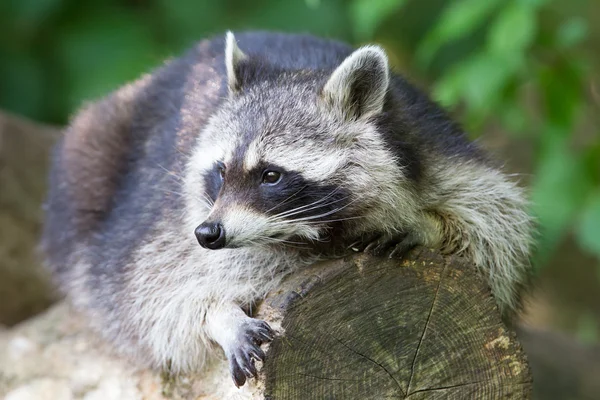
x=395 y=246
x=246 y=350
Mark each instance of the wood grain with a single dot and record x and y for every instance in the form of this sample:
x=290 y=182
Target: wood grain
x=367 y=327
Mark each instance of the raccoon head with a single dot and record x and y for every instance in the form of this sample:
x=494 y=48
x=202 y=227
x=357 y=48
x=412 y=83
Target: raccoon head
x=291 y=155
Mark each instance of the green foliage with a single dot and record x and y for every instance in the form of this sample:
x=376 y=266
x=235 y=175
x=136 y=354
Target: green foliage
x=367 y=15
x=588 y=230
x=520 y=65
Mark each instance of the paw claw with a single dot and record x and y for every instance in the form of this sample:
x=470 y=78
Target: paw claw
x=408 y=243
x=242 y=358
x=394 y=246
x=257 y=353
x=239 y=378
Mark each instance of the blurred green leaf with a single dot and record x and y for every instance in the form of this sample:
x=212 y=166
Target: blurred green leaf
x=513 y=30
x=562 y=92
x=101 y=53
x=21 y=84
x=330 y=19
x=186 y=21
x=572 y=32
x=588 y=229
x=478 y=81
x=314 y=4
x=460 y=18
x=31 y=12
x=367 y=15
x=562 y=183
x=514 y=117
x=534 y=3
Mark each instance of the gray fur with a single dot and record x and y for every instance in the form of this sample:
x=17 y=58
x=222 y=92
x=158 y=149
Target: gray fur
x=361 y=152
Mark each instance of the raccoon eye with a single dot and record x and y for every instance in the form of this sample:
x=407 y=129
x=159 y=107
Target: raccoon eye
x=271 y=177
x=221 y=168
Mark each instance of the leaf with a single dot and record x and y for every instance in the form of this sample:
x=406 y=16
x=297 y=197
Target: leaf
x=22 y=84
x=478 y=80
x=313 y=4
x=588 y=228
x=31 y=12
x=367 y=15
x=187 y=21
x=459 y=19
x=561 y=185
x=513 y=30
x=330 y=19
x=101 y=53
x=561 y=87
x=572 y=32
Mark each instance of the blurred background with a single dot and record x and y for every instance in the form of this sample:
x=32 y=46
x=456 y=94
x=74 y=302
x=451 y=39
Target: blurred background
x=521 y=75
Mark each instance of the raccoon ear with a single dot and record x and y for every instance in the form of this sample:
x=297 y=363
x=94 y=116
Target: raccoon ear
x=358 y=86
x=233 y=57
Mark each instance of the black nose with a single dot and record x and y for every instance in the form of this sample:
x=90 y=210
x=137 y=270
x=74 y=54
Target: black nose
x=211 y=235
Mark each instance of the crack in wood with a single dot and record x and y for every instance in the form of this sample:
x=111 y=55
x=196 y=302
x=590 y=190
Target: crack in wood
x=412 y=368
x=326 y=378
x=374 y=362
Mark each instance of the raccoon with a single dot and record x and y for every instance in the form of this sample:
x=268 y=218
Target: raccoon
x=179 y=200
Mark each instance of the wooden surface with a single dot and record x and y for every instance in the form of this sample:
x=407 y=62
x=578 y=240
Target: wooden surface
x=24 y=153
x=374 y=328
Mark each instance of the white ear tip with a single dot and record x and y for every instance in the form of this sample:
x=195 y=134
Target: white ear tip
x=229 y=38
x=372 y=51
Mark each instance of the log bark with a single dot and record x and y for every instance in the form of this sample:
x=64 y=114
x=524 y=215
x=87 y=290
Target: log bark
x=24 y=154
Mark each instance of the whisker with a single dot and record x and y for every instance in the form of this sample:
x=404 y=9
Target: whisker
x=315 y=207
x=203 y=201
x=267 y=240
x=284 y=201
x=335 y=220
x=310 y=206
x=312 y=217
x=170 y=173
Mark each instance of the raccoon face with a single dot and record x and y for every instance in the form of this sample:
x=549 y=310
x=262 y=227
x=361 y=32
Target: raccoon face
x=286 y=160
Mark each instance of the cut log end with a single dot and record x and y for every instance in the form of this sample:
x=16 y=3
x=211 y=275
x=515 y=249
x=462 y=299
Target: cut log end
x=426 y=327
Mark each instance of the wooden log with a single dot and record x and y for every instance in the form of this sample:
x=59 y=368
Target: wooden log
x=24 y=153
x=357 y=328
x=368 y=327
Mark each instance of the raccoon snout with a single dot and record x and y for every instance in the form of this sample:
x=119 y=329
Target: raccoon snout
x=210 y=235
